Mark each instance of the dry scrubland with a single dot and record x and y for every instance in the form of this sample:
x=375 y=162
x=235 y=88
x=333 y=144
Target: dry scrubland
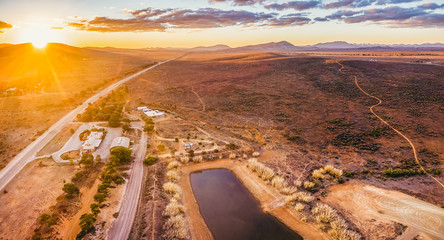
x=304 y=114
x=53 y=81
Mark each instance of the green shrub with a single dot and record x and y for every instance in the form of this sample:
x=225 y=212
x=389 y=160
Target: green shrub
x=150 y=160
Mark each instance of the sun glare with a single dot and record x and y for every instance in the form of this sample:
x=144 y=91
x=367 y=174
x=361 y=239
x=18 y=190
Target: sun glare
x=39 y=35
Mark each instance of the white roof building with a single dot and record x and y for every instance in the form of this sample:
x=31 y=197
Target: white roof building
x=93 y=141
x=153 y=113
x=120 y=142
x=149 y=112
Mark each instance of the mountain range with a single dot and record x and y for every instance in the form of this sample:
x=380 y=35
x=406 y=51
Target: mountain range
x=285 y=46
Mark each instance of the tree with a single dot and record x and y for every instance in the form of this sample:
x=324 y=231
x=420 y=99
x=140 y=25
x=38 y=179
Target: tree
x=114 y=120
x=100 y=197
x=87 y=160
x=87 y=221
x=47 y=220
x=95 y=208
x=122 y=153
x=98 y=159
x=150 y=160
x=70 y=189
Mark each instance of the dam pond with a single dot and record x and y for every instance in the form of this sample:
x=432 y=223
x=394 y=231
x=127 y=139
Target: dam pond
x=231 y=212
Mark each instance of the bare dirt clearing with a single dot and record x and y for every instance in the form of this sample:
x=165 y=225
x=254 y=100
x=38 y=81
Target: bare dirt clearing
x=30 y=194
x=366 y=204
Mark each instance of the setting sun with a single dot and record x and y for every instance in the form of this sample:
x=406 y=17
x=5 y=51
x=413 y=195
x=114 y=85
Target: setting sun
x=39 y=35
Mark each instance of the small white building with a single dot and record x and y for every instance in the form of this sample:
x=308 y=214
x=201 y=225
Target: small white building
x=188 y=146
x=153 y=113
x=93 y=142
x=149 y=112
x=120 y=142
x=142 y=108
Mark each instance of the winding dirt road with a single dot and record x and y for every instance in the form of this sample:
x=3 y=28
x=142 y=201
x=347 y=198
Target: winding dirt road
x=388 y=124
x=28 y=154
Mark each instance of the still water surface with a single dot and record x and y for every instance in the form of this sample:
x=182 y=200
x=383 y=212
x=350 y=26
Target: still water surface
x=231 y=212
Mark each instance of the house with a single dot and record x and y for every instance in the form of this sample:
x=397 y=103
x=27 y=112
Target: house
x=92 y=142
x=188 y=146
x=142 y=108
x=149 y=112
x=153 y=113
x=120 y=142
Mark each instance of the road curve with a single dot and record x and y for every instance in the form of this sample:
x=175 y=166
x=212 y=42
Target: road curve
x=28 y=154
x=388 y=124
x=122 y=226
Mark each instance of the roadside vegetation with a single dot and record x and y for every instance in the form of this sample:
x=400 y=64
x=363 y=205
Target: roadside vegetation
x=107 y=109
x=110 y=176
x=175 y=227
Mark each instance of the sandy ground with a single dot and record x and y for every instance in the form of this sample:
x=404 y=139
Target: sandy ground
x=70 y=227
x=30 y=194
x=367 y=206
x=266 y=196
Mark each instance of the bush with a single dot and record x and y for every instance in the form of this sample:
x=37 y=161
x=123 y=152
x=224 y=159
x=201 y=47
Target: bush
x=87 y=222
x=173 y=208
x=173 y=165
x=150 y=160
x=47 y=220
x=172 y=175
x=309 y=185
x=299 y=207
x=70 y=189
x=122 y=154
x=279 y=183
x=171 y=188
x=100 y=197
x=175 y=228
x=184 y=159
x=302 y=197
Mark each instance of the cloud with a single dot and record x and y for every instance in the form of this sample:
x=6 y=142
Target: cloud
x=4 y=26
x=297 y=5
x=392 y=16
x=349 y=4
x=239 y=2
x=149 y=19
x=289 y=20
x=385 y=2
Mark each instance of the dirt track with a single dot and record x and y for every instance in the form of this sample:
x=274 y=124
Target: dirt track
x=266 y=196
x=369 y=202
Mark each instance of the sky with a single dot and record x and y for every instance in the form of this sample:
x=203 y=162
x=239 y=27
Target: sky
x=189 y=23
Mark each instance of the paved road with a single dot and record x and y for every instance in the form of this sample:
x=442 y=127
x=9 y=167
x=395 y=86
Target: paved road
x=127 y=212
x=28 y=154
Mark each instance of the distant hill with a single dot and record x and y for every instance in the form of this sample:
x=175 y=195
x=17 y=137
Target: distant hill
x=285 y=46
x=282 y=46
x=219 y=47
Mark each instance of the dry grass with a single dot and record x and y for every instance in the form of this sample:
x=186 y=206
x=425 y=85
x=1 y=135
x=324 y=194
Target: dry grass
x=198 y=159
x=173 y=208
x=172 y=175
x=279 y=183
x=184 y=159
x=232 y=155
x=171 y=188
x=175 y=228
x=173 y=165
x=302 y=197
x=309 y=185
x=339 y=228
x=318 y=174
x=299 y=207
